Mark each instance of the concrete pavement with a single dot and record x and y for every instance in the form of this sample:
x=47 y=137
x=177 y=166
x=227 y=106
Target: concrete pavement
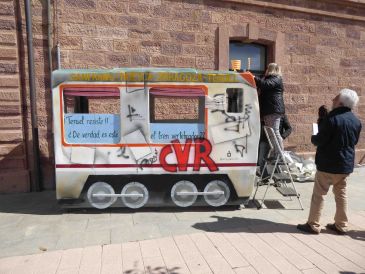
x=36 y=236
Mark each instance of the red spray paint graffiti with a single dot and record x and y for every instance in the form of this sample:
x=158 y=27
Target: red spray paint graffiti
x=202 y=148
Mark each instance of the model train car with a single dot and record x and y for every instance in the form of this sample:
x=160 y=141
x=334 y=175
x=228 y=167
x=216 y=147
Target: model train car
x=154 y=137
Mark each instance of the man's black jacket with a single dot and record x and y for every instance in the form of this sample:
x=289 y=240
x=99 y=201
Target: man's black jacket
x=271 y=97
x=336 y=139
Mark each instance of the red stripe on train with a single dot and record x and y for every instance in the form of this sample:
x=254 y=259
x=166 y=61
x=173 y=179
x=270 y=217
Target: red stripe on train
x=146 y=165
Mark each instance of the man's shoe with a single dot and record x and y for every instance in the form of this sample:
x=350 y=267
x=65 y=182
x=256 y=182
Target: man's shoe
x=334 y=228
x=307 y=228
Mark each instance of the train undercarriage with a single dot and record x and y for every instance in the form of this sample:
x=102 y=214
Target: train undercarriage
x=164 y=190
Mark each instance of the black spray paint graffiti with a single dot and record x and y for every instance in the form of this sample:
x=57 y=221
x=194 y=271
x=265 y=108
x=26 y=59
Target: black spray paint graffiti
x=229 y=118
x=241 y=149
x=132 y=113
x=148 y=161
x=235 y=125
x=240 y=120
x=121 y=152
x=135 y=78
x=217 y=103
x=135 y=90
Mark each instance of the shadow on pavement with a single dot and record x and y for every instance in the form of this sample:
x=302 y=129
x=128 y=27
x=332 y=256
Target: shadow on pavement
x=240 y=224
x=251 y=225
x=37 y=203
x=45 y=203
x=357 y=235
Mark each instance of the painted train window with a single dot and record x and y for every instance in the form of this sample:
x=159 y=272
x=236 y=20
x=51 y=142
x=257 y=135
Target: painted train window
x=234 y=100
x=91 y=116
x=176 y=114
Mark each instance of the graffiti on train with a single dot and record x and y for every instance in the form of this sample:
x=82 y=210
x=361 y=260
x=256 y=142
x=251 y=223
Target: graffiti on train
x=202 y=149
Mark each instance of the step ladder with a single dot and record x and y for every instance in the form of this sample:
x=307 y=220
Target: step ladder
x=279 y=173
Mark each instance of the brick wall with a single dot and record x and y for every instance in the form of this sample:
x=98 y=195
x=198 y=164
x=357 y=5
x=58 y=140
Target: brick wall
x=14 y=174
x=319 y=54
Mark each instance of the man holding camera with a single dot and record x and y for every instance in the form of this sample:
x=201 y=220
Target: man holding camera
x=335 y=158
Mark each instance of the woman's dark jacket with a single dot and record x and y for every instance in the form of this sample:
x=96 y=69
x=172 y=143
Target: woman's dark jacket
x=337 y=136
x=271 y=97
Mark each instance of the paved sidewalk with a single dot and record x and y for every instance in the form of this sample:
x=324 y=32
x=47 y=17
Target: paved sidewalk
x=171 y=241
x=262 y=249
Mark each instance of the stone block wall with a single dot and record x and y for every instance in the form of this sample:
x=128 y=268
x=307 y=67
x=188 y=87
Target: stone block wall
x=319 y=54
x=14 y=171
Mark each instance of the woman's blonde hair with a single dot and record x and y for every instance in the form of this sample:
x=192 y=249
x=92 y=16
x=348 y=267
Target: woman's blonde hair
x=273 y=69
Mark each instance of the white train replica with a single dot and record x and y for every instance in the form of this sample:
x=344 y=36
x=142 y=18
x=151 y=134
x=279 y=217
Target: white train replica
x=154 y=137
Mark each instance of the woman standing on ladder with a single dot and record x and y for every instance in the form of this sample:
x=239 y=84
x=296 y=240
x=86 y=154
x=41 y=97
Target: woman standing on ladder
x=272 y=100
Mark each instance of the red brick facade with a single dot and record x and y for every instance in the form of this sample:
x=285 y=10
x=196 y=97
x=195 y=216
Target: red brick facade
x=320 y=45
x=14 y=169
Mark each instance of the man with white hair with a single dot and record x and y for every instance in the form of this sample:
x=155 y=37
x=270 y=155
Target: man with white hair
x=335 y=158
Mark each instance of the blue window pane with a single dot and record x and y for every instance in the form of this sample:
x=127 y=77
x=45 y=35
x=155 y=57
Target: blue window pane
x=242 y=51
x=164 y=133
x=85 y=128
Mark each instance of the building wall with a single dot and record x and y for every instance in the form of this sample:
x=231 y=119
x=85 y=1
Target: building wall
x=14 y=171
x=319 y=54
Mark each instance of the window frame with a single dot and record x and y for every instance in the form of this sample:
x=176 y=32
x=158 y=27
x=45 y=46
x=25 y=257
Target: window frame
x=203 y=120
x=152 y=119
x=85 y=88
x=59 y=105
x=266 y=55
x=85 y=98
x=226 y=101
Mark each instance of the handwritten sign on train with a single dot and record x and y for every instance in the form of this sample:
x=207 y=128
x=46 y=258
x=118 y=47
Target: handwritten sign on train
x=165 y=133
x=92 y=128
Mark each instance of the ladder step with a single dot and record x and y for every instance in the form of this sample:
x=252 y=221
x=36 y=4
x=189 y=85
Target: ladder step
x=281 y=177
x=286 y=191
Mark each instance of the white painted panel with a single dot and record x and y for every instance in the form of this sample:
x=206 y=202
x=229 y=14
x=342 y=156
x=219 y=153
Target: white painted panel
x=229 y=131
x=137 y=137
x=82 y=155
x=134 y=110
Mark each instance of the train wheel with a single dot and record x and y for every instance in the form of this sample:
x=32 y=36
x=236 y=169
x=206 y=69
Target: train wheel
x=182 y=193
x=135 y=195
x=98 y=195
x=219 y=193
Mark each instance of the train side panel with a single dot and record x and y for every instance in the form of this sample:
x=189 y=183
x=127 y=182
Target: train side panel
x=164 y=145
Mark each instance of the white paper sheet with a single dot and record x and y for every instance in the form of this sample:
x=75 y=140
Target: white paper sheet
x=229 y=131
x=137 y=137
x=315 y=128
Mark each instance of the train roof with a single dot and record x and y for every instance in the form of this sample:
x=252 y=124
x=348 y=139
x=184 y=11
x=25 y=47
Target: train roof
x=187 y=75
